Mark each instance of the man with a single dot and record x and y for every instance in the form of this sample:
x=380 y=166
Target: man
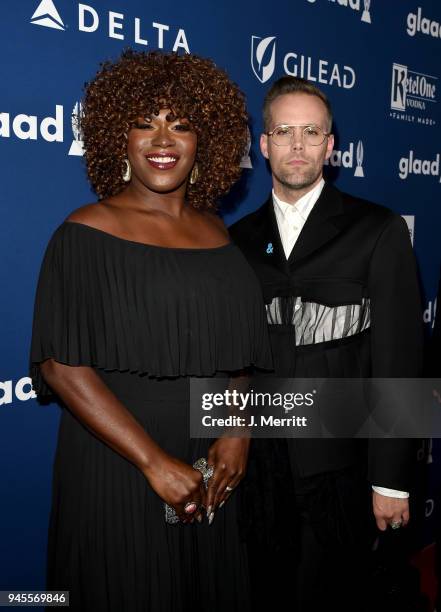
x=342 y=298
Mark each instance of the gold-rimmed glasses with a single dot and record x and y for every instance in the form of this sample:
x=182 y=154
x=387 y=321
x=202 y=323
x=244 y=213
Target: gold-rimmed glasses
x=313 y=135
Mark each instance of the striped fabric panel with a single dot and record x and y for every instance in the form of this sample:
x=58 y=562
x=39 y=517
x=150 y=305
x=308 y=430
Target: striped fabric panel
x=316 y=322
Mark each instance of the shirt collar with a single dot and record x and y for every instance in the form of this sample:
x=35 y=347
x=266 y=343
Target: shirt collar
x=303 y=206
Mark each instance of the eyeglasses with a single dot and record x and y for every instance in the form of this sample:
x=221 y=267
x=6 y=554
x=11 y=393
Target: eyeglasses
x=282 y=135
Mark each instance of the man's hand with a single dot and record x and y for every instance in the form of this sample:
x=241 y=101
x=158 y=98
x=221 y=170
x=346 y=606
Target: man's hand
x=389 y=509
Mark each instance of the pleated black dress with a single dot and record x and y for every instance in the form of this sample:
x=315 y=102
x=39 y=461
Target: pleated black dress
x=147 y=319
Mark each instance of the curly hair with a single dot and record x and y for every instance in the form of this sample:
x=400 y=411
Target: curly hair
x=140 y=84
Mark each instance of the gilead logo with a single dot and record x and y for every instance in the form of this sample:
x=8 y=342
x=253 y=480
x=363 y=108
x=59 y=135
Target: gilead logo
x=263 y=57
x=29 y=127
x=22 y=390
x=263 y=63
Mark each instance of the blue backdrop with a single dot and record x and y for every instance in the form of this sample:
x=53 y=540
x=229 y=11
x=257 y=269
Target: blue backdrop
x=378 y=61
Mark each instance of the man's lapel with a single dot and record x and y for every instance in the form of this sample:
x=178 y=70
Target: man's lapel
x=279 y=260
x=266 y=244
x=324 y=222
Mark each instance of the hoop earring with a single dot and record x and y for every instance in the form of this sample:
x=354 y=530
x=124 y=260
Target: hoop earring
x=194 y=174
x=128 y=171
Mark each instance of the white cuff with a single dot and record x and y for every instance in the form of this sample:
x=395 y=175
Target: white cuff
x=390 y=492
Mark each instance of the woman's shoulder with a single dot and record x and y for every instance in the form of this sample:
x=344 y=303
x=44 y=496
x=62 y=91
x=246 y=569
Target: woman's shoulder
x=95 y=215
x=79 y=228
x=215 y=223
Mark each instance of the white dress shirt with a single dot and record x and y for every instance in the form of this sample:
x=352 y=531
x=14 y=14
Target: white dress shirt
x=290 y=221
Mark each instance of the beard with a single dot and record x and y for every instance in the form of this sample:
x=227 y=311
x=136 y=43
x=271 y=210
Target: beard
x=298 y=180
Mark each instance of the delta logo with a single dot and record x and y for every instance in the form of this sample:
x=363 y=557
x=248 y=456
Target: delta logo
x=118 y=26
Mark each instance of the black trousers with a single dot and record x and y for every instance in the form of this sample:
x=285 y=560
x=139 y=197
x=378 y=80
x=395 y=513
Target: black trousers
x=317 y=556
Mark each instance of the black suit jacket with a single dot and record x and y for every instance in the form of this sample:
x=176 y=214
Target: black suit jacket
x=356 y=256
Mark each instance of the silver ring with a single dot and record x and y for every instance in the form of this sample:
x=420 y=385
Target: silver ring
x=396 y=524
x=188 y=505
x=227 y=488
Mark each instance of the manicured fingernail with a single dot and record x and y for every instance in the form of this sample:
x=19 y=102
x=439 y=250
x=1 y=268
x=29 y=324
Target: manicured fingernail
x=209 y=510
x=210 y=518
x=221 y=504
x=199 y=518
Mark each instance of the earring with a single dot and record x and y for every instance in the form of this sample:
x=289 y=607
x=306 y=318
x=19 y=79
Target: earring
x=194 y=174
x=128 y=171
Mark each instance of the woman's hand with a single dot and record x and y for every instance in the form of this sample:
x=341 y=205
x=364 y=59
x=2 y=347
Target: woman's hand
x=229 y=457
x=177 y=483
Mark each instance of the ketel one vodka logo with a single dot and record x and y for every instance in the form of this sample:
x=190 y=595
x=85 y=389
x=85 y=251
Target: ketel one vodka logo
x=263 y=57
x=411 y=89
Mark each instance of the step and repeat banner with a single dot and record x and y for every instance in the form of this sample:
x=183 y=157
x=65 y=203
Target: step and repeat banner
x=378 y=61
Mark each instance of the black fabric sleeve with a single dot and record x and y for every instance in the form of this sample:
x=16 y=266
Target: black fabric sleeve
x=59 y=329
x=396 y=342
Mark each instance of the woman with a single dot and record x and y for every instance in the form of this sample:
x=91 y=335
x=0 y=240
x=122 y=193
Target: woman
x=138 y=293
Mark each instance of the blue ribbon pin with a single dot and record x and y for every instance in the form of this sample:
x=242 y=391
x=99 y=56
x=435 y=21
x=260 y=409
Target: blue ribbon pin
x=269 y=248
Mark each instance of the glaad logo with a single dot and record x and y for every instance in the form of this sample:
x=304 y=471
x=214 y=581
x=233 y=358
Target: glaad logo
x=366 y=16
x=77 y=148
x=263 y=60
x=26 y=127
x=345 y=159
x=47 y=15
x=430 y=505
x=412 y=165
x=418 y=23
x=263 y=71
x=89 y=20
x=354 y=5
x=429 y=314
x=245 y=162
x=412 y=90
x=410 y=221
x=9 y=391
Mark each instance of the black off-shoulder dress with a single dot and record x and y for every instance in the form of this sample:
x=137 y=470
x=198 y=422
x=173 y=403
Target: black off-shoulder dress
x=147 y=319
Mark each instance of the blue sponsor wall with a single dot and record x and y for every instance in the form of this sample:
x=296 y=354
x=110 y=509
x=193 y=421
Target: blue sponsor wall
x=378 y=61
